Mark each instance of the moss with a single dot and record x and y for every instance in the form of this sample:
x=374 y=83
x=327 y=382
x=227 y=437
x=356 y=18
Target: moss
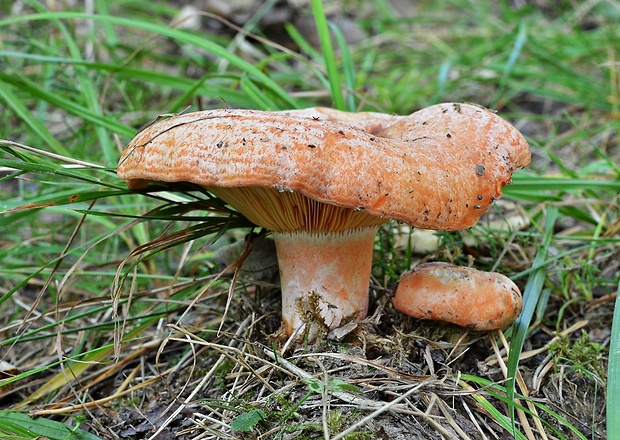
x=584 y=356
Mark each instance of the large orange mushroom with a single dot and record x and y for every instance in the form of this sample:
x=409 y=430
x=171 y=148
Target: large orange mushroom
x=324 y=181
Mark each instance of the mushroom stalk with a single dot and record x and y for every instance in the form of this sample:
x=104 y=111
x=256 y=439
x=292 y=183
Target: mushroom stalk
x=325 y=276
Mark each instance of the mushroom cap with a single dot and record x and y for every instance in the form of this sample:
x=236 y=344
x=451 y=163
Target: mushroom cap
x=439 y=168
x=461 y=295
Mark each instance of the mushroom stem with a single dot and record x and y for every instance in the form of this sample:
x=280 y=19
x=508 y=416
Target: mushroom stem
x=324 y=274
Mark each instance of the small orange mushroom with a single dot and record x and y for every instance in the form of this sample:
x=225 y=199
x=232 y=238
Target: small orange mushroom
x=324 y=181
x=460 y=295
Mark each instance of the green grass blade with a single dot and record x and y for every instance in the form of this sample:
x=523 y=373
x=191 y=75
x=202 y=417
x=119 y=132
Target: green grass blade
x=498 y=416
x=83 y=174
x=17 y=425
x=215 y=86
x=499 y=392
x=329 y=56
x=576 y=86
x=86 y=86
x=178 y=35
x=79 y=363
x=442 y=79
x=260 y=99
x=517 y=48
x=523 y=182
x=111 y=37
x=304 y=45
x=39 y=130
x=68 y=197
x=348 y=66
x=35 y=90
x=613 y=376
x=531 y=296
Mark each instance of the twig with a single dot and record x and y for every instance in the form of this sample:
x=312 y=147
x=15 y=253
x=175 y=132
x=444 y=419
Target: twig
x=383 y=408
x=199 y=386
x=377 y=407
x=528 y=354
x=342 y=395
x=524 y=391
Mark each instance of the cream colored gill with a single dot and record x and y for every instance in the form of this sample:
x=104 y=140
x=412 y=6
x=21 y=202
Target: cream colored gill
x=289 y=211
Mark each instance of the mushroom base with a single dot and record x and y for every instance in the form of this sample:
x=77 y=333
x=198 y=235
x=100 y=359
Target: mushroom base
x=325 y=276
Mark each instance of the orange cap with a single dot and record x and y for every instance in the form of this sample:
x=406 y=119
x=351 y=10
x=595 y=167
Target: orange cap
x=440 y=168
x=461 y=295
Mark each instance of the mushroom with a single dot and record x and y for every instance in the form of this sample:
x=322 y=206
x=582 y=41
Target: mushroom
x=323 y=181
x=460 y=295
